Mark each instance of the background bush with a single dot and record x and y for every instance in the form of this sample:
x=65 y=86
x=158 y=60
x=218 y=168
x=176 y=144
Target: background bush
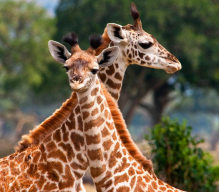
x=178 y=159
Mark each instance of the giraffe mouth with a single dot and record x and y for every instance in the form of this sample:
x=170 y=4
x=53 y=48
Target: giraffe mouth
x=76 y=88
x=172 y=68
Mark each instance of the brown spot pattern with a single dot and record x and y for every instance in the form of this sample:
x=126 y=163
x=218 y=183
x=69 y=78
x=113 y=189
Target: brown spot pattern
x=95 y=172
x=88 y=105
x=141 y=55
x=95 y=154
x=93 y=123
x=107 y=144
x=99 y=100
x=90 y=139
x=77 y=110
x=105 y=132
x=118 y=76
x=94 y=112
x=85 y=114
x=83 y=99
x=102 y=77
x=110 y=70
x=94 y=91
x=112 y=84
x=121 y=178
x=77 y=140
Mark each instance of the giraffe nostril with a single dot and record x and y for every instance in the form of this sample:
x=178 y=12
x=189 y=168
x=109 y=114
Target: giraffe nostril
x=76 y=78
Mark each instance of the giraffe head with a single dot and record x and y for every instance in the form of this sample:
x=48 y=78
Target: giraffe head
x=82 y=66
x=140 y=47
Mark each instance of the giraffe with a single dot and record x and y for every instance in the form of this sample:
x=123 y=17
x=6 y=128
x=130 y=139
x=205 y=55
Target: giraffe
x=49 y=163
x=70 y=127
x=111 y=165
x=136 y=47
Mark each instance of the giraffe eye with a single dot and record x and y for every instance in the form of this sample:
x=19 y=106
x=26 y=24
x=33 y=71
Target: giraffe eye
x=66 y=68
x=94 y=71
x=146 y=45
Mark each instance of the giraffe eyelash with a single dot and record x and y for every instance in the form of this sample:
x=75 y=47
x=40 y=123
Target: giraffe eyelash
x=146 y=45
x=94 y=71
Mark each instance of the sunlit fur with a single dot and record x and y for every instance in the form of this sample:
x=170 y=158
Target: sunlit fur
x=49 y=125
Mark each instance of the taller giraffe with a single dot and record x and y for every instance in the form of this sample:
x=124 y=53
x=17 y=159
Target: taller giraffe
x=112 y=167
x=136 y=47
x=71 y=122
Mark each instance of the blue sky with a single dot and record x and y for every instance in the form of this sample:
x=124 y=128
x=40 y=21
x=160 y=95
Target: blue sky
x=48 y=4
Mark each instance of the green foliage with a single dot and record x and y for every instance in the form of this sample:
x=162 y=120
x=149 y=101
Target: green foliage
x=25 y=30
x=179 y=159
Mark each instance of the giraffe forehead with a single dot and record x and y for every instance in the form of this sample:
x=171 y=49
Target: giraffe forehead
x=82 y=60
x=130 y=27
x=136 y=35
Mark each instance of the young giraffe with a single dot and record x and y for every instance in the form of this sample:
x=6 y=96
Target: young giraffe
x=49 y=159
x=66 y=119
x=111 y=165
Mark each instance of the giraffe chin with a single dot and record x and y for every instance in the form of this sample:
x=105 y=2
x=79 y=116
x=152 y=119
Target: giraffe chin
x=172 y=68
x=78 y=90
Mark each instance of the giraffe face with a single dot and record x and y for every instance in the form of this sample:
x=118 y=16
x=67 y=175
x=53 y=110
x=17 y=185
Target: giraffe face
x=81 y=69
x=82 y=66
x=141 y=48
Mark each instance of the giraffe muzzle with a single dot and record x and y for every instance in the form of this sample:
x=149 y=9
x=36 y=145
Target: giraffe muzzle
x=173 y=67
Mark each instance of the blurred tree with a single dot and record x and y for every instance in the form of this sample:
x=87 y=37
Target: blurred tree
x=188 y=29
x=179 y=161
x=25 y=30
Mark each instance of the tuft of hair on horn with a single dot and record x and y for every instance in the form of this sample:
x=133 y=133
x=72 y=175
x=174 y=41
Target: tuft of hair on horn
x=95 y=41
x=136 y=16
x=134 y=11
x=72 y=39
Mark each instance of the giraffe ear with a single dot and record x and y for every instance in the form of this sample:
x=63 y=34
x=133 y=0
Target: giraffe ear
x=108 y=56
x=58 y=51
x=115 y=32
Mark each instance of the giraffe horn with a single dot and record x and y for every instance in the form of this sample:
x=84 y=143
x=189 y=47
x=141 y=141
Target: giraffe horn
x=136 y=17
x=72 y=39
x=95 y=42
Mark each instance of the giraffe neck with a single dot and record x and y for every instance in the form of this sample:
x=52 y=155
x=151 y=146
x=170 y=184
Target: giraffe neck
x=101 y=138
x=52 y=154
x=112 y=76
x=111 y=166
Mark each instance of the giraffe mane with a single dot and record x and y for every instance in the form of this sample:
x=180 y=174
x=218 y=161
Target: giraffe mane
x=50 y=124
x=124 y=134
